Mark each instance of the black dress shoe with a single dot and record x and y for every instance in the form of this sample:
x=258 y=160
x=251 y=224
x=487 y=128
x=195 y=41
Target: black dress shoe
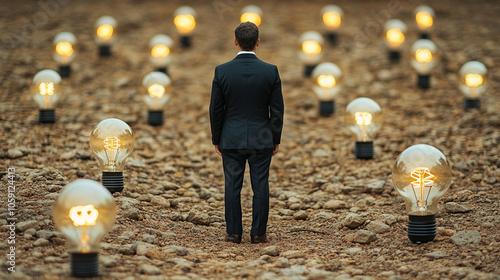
x=235 y=238
x=258 y=238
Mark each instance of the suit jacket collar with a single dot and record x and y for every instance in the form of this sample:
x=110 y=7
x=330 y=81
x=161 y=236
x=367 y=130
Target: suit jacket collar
x=246 y=55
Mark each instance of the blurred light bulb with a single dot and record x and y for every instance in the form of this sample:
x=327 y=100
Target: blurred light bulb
x=395 y=36
x=252 y=14
x=424 y=16
x=424 y=59
x=328 y=80
x=105 y=28
x=112 y=141
x=64 y=52
x=310 y=50
x=46 y=91
x=185 y=22
x=473 y=82
x=161 y=47
x=332 y=18
x=157 y=89
x=363 y=117
x=421 y=175
x=84 y=212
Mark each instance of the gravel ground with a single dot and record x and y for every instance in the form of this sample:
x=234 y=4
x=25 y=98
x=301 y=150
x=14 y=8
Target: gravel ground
x=332 y=216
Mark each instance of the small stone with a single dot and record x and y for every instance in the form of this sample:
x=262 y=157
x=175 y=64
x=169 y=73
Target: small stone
x=389 y=219
x=148 y=238
x=318 y=274
x=293 y=254
x=378 y=227
x=67 y=155
x=464 y=237
x=45 y=234
x=108 y=261
x=160 y=201
x=384 y=75
x=352 y=251
x=41 y=242
x=453 y=207
x=321 y=153
x=476 y=177
x=353 y=220
x=198 y=218
x=80 y=173
x=335 y=204
x=143 y=248
x=301 y=215
x=22 y=226
x=273 y=251
x=14 y=153
x=281 y=262
x=364 y=236
x=121 y=82
x=436 y=255
x=132 y=214
x=149 y=269
x=178 y=250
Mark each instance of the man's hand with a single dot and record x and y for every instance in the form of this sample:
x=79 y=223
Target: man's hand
x=217 y=150
x=276 y=149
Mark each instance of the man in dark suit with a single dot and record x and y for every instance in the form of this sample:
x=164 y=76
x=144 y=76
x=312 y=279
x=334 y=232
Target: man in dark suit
x=246 y=118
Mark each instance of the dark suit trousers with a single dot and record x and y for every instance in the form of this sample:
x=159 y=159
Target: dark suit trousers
x=234 y=162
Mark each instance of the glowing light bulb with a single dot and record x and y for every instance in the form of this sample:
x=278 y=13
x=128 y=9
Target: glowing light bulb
x=112 y=141
x=46 y=91
x=161 y=47
x=332 y=18
x=421 y=175
x=64 y=52
x=424 y=17
x=327 y=80
x=473 y=82
x=84 y=212
x=185 y=22
x=310 y=50
x=395 y=36
x=157 y=92
x=363 y=117
x=105 y=29
x=252 y=14
x=424 y=59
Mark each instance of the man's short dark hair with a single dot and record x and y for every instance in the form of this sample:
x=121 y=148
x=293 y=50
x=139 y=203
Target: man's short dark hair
x=247 y=34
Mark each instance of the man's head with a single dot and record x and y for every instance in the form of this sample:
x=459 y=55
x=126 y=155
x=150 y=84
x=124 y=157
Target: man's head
x=247 y=36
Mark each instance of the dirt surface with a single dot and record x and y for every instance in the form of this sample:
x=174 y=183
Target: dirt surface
x=170 y=221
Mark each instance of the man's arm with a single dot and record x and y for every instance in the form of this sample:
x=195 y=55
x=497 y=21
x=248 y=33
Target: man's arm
x=277 y=109
x=217 y=107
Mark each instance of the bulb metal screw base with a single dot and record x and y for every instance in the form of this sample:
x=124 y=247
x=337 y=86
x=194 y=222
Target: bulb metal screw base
x=424 y=81
x=155 y=118
x=162 y=69
x=472 y=103
x=326 y=108
x=186 y=41
x=332 y=37
x=84 y=265
x=113 y=181
x=104 y=51
x=394 y=56
x=47 y=116
x=424 y=36
x=422 y=229
x=64 y=71
x=308 y=69
x=364 y=150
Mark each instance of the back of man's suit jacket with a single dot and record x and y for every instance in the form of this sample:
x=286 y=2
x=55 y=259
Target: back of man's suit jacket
x=246 y=107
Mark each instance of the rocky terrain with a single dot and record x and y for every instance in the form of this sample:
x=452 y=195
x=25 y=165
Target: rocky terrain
x=332 y=216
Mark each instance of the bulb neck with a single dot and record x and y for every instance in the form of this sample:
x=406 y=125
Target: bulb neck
x=421 y=229
x=394 y=56
x=104 y=50
x=326 y=108
x=472 y=103
x=424 y=81
x=332 y=37
x=185 y=41
x=46 y=116
x=162 y=69
x=64 y=71
x=364 y=150
x=308 y=69
x=155 y=118
x=113 y=181
x=84 y=265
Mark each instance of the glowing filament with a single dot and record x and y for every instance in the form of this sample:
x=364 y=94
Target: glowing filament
x=111 y=143
x=363 y=118
x=326 y=81
x=46 y=88
x=105 y=31
x=64 y=48
x=423 y=55
x=251 y=17
x=473 y=80
x=422 y=178
x=331 y=19
x=424 y=20
x=311 y=47
x=83 y=215
x=395 y=36
x=160 y=51
x=156 y=90
x=184 y=23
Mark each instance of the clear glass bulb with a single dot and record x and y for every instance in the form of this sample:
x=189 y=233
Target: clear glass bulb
x=332 y=17
x=473 y=79
x=184 y=20
x=160 y=47
x=363 y=117
x=64 y=48
x=84 y=212
x=424 y=16
x=46 y=89
x=395 y=31
x=424 y=56
x=328 y=80
x=421 y=175
x=105 y=28
x=157 y=89
x=112 y=141
x=251 y=13
x=310 y=47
